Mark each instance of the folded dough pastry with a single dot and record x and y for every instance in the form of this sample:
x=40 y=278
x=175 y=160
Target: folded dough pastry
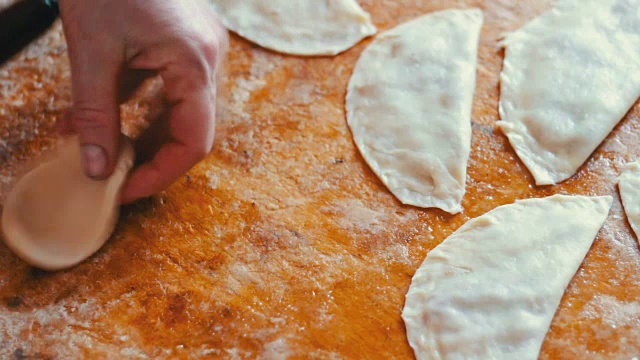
x=569 y=77
x=490 y=290
x=629 y=185
x=299 y=27
x=409 y=106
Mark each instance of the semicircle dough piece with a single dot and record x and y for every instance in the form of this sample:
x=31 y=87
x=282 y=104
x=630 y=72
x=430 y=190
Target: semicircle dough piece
x=298 y=27
x=629 y=185
x=569 y=77
x=491 y=289
x=409 y=106
x=55 y=216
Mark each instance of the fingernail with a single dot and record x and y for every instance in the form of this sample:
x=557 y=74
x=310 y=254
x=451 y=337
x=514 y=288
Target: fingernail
x=95 y=160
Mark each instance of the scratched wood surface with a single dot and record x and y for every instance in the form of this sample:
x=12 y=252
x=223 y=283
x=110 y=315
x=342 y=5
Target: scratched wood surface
x=283 y=244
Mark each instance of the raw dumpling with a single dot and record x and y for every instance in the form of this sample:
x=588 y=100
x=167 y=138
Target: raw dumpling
x=55 y=216
x=569 y=76
x=629 y=184
x=490 y=290
x=299 y=27
x=409 y=106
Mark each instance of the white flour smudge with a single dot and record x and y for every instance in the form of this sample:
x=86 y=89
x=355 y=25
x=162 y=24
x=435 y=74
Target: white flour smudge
x=262 y=64
x=613 y=312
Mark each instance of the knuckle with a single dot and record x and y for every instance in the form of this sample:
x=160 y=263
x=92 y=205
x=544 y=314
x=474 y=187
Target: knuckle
x=204 y=52
x=200 y=151
x=210 y=50
x=86 y=118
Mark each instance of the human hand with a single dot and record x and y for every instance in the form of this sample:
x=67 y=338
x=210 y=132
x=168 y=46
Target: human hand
x=109 y=41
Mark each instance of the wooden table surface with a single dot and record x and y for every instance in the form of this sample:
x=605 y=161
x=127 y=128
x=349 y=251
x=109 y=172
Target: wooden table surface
x=283 y=244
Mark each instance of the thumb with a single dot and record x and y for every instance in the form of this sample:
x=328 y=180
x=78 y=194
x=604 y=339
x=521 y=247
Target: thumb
x=95 y=114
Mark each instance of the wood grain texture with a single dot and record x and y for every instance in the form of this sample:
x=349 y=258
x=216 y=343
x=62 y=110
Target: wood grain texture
x=282 y=243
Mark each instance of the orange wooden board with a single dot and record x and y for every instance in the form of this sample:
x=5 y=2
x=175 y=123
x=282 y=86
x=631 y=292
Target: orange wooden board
x=283 y=244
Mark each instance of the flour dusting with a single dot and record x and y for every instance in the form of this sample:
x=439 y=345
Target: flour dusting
x=354 y=215
x=262 y=64
x=71 y=320
x=613 y=312
x=277 y=349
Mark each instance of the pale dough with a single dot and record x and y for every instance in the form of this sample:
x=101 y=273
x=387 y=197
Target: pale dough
x=491 y=289
x=629 y=185
x=299 y=27
x=569 y=76
x=409 y=106
x=55 y=216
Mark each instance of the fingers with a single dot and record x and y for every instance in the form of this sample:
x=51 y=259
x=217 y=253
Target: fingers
x=63 y=124
x=187 y=133
x=191 y=128
x=95 y=114
x=188 y=70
